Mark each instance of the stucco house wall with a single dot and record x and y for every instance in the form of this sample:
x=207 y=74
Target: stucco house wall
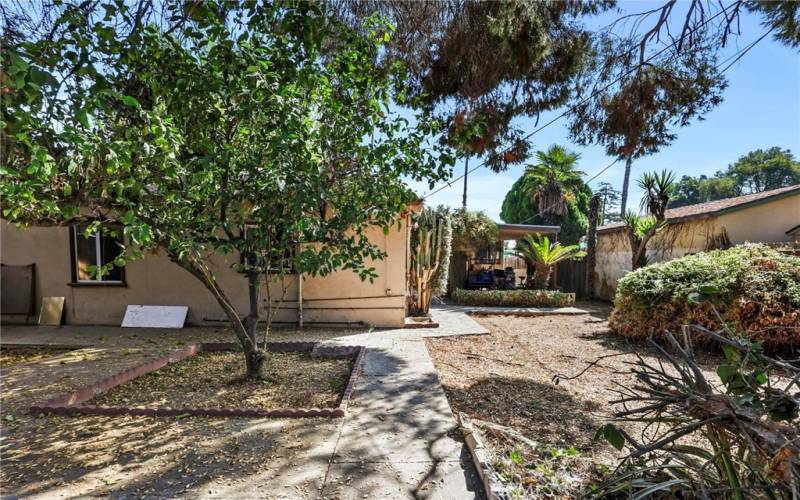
x=154 y=280
x=764 y=222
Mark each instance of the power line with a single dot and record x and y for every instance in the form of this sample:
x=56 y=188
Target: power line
x=582 y=101
x=733 y=58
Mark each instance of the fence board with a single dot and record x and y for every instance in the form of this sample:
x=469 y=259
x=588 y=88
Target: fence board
x=571 y=277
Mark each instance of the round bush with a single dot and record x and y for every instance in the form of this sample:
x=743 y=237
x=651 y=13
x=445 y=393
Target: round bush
x=757 y=293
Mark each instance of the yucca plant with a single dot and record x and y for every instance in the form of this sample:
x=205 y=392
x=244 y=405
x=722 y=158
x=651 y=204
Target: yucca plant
x=658 y=187
x=542 y=255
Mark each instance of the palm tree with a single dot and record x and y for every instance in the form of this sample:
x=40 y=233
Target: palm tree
x=542 y=255
x=557 y=181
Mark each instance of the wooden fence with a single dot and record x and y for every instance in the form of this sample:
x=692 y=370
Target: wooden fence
x=571 y=277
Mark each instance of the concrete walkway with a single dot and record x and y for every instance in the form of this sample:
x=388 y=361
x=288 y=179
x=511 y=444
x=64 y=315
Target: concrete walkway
x=398 y=440
x=582 y=308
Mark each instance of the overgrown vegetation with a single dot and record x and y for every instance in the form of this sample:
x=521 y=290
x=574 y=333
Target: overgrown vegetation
x=513 y=298
x=758 y=293
x=702 y=440
x=472 y=230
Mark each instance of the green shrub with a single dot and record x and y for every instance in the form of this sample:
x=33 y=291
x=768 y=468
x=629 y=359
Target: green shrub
x=757 y=293
x=513 y=298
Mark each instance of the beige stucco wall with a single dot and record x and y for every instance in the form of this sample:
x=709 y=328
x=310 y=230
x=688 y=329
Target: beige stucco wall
x=766 y=222
x=154 y=280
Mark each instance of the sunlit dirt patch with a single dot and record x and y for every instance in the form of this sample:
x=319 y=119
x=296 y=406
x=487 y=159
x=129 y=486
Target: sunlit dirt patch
x=216 y=379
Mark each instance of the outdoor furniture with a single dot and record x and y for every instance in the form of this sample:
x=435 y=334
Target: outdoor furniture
x=480 y=279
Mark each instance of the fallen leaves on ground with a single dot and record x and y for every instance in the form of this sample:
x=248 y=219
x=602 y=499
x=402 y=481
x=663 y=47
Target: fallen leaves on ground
x=216 y=380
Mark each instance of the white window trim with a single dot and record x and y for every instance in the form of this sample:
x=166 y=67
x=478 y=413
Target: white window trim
x=98 y=257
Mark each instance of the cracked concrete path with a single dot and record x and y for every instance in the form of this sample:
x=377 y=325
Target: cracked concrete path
x=399 y=438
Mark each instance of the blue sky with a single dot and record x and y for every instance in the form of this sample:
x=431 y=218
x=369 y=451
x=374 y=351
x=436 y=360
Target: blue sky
x=761 y=108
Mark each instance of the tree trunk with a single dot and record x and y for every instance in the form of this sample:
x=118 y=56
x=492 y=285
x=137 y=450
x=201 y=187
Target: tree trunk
x=466 y=173
x=641 y=249
x=623 y=206
x=541 y=276
x=255 y=358
x=591 y=244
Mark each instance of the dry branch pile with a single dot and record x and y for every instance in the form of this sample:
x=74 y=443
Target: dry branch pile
x=703 y=440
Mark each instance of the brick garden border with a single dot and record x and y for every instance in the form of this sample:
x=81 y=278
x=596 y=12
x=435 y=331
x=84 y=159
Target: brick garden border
x=71 y=403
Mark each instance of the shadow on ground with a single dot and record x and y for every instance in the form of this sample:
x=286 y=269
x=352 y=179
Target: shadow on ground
x=148 y=457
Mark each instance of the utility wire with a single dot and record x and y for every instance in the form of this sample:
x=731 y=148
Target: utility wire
x=732 y=58
x=579 y=103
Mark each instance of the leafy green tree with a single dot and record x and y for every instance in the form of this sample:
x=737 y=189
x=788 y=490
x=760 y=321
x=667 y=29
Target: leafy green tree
x=763 y=170
x=541 y=255
x=220 y=129
x=550 y=192
x=609 y=203
x=759 y=170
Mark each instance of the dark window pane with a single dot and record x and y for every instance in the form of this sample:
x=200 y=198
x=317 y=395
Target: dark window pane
x=111 y=250
x=85 y=254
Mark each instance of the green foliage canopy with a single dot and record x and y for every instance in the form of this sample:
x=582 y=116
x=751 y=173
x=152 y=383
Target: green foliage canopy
x=521 y=203
x=472 y=230
x=759 y=170
x=221 y=130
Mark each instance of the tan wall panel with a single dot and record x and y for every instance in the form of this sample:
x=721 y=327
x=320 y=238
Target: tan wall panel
x=157 y=281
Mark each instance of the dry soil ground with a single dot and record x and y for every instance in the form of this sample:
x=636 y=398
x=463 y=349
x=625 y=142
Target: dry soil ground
x=134 y=457
x=507 y=378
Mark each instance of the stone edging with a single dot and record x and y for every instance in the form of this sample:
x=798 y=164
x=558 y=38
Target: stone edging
x=493 y=488
x=72 y=403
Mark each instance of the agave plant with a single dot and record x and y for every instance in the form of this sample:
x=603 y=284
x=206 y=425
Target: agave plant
x=542 y=255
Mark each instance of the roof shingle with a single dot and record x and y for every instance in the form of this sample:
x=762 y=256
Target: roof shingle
x=709 y=208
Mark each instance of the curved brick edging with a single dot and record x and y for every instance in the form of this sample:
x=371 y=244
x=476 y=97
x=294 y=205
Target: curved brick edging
x=71 y=404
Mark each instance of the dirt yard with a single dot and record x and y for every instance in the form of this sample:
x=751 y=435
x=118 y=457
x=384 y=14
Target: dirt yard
x=506 y=378
x=215 y=380
x=11 y=357
x=156 y=457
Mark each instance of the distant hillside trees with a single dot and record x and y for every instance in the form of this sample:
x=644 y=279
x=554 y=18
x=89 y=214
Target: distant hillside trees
x=759 y=170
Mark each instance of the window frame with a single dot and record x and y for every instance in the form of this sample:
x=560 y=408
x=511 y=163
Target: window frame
x=73 y=253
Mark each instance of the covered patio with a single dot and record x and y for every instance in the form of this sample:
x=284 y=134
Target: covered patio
x=496 y=266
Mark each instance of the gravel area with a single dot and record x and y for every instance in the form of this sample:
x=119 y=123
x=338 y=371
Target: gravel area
x=216 y=380
x=507 y=378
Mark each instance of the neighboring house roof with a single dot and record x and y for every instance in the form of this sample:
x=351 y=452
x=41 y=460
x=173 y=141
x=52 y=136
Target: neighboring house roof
x=517 y=231
x=716 y=207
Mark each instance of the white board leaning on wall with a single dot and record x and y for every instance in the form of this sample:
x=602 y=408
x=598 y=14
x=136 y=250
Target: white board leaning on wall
x=137 y=316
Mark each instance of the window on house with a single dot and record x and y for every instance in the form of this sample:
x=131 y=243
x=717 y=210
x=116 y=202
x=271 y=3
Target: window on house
x=91 y=253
